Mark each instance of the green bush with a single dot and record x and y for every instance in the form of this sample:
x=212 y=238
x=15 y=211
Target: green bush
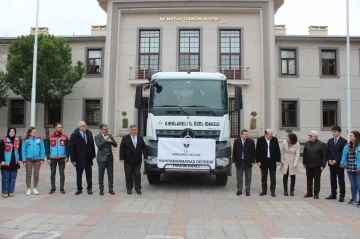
x=125 y=123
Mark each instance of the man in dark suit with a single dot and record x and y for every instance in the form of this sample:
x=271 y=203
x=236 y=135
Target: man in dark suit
x=132 y=148
x=244 y=159
x=268 y=157
x=314 y=161
x=334 y=151
x=105 y=158
x=82 y=153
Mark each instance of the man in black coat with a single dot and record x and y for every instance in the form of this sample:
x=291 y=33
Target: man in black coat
x=268 y=157
x=132 y=148
x=314 y=161
x=334 y=151
x=244 y=159
x=82 y=153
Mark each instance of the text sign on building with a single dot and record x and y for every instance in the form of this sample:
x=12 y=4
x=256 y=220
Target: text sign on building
x=165 y=19
x=193 y=122
x=186 y=153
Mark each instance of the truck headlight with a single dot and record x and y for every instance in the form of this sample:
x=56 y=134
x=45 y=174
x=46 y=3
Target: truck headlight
x=152 y=160
x=222 y=161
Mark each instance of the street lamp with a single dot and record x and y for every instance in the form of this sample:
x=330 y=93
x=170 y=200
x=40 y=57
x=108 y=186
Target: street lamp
x=348 y=68
x=33 y=88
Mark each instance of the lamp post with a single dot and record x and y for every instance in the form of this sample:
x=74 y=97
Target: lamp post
x=348 y=68
x=33 y=88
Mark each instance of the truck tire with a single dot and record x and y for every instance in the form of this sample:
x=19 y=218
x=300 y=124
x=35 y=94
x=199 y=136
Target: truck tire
x=221 y=179
x=153 y=178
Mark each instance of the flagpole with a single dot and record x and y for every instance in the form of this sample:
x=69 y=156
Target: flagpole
x=33 y=89
x=348 y=68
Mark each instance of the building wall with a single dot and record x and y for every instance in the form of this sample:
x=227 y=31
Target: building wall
x=252 y=55
x=72 y=105
x=310 y=87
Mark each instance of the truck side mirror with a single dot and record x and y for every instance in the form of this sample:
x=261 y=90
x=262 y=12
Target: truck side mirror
x=238 y=98
x=138 y=96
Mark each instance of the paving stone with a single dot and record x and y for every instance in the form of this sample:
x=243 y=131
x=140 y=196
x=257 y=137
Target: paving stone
x=187 y=206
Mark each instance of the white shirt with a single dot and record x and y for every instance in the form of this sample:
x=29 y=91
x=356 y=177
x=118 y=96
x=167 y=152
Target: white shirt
x=268 y=151
x=336 y=139
x=134 y=139
x=243 y=143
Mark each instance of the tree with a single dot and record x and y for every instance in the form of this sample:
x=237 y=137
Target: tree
x=3 y=90
x=56 y=75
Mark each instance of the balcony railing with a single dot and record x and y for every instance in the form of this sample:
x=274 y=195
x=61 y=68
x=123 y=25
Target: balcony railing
x=241 y=73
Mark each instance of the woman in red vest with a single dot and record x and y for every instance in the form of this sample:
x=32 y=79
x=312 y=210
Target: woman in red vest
x=10 y=159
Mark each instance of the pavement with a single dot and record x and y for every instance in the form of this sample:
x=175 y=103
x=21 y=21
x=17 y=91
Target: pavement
x=186 y=206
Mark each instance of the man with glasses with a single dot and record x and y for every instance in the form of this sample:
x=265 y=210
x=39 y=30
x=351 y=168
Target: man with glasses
x=314 y=161
x=82 y=153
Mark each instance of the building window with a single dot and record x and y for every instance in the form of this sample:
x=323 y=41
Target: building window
x=328 y=62
x=94 y=62
x=17 y=112
x=54 y=112
x=329 y=112
x=149 y=52
x=289 y=113
x=92 y=112
x=189 y=50
x=288 y=61
x=230 y=53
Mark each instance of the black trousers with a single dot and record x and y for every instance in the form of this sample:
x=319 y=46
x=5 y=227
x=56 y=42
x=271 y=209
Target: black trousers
x=79 y=173
x=313 y=176
x=53 y=165
x=292 y=182
x=132 y=175
x=337 y=174
x=264 y=174
x=109 y=166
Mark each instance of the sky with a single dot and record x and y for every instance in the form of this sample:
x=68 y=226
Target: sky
x=75 y=17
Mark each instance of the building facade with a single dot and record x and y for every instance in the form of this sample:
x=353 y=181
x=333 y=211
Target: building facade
x=296 y=82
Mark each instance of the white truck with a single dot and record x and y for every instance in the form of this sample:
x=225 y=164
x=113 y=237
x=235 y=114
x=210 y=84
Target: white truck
x=192 y=107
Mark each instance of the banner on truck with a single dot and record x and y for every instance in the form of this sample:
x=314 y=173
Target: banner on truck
x=186 y=153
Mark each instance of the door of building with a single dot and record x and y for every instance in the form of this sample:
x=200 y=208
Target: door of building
x=142 y=116
x=234 y=119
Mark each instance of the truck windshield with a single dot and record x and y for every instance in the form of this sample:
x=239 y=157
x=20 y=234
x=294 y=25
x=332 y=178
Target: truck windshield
x=202 y=93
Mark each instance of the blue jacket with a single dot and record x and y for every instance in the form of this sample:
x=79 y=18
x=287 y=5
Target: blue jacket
x=9 y=148
x=56 y=146
x=33 y=149
x=344 y=155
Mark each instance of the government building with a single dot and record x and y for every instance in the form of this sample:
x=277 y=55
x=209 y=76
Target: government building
x=295 y=82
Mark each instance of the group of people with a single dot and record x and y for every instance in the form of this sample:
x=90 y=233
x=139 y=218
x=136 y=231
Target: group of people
x=32 y=151
x=268 y=154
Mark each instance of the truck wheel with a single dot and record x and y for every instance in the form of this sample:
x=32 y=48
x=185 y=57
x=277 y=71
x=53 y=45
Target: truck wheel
x=221 y=180
x=153 y=178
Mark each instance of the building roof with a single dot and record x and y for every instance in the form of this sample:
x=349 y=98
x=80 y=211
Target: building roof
x=316 y=38
x=334 y=38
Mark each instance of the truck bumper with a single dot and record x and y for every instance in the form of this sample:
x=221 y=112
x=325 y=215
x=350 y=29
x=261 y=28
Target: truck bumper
x=223 y=151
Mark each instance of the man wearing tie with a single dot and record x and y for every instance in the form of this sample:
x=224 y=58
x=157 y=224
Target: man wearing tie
x=105 y=157
x=244 y=159
x=334 y=151
x=268 y=157
x=132 y=147
x=82 y=153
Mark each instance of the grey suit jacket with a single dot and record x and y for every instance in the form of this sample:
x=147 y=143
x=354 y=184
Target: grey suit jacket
x=104 y=147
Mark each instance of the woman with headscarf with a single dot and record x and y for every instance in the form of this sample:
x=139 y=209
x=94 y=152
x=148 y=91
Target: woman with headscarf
x=10 y=159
